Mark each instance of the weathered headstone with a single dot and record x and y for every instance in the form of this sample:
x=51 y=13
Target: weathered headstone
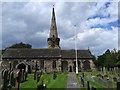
x=93 y=88
x=10 y=66
x=5 y=79
x=54 y=74
x=118 y=85
x=35 y=74
x=38 y=77
x=82 y=81
x=83 y=75
x=17 y=80
x=88 y=86
x=12 y=78
x=26 y=72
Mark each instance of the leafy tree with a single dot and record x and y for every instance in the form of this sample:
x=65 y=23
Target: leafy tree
x=18 y=45
x=109 y=59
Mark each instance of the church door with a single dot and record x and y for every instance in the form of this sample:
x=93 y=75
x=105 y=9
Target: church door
x=70 y=69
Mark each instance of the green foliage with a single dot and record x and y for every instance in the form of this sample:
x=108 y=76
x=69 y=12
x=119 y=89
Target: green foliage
x=21 y=45
x=18 y=45
x=109 y=59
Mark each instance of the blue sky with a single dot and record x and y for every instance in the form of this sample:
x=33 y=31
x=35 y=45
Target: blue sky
x=29 y=22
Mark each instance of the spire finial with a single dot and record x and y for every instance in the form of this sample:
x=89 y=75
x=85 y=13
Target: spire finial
x=53 y=5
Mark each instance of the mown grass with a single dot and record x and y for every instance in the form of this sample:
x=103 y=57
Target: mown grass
x=59 y=82
x=30 y=83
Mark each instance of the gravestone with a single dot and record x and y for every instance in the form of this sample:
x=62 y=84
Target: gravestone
x=118 y=85
x=82 y=81
x=83 y=75
x=39 y=75
x=35 y=74
x=17 y=82
x=54 y=75
x=10 y=66
x=26 y=72
x=88 y=86
x=12 y=78
x=5 y=79
x=93 y=88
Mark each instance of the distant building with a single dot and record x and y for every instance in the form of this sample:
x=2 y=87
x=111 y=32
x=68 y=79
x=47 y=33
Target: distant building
x=51 y=58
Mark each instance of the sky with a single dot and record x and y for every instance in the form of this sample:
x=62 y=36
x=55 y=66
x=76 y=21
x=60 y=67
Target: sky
x=29 y=22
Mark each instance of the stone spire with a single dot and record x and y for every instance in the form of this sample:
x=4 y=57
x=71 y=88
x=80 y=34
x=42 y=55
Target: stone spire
x=53 y=28
x=53 y=40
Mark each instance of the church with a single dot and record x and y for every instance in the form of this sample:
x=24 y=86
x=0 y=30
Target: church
x=52 y=57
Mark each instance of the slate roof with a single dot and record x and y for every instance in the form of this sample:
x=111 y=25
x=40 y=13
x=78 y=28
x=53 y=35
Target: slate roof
x=81 y=54
x=46 y=53
x=31 y=53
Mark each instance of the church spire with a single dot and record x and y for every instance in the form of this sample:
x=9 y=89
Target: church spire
x=53 y=28
x=53 y=40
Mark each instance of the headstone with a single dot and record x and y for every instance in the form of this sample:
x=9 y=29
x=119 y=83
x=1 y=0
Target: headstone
x=5 y=79
x=10 y=66
x=17 y=80
x=38 y=77
x=88 y=86
x=93 y=88
x=26 y=72
x=83 y=75
x=82 y=81
x=54 y=74
x=12 y=78
x=35 y=74
x=118 y=85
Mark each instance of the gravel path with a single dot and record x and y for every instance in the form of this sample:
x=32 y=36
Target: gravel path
x=72 y=81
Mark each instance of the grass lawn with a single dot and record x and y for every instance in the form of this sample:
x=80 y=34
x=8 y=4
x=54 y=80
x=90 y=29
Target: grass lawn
x=30 y=83
x=59 y=82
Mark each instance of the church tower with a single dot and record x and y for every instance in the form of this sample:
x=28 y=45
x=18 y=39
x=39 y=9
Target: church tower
x=53 y=40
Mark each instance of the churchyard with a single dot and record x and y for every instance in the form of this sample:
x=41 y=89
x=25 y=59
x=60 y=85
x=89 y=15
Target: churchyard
x=97 y=80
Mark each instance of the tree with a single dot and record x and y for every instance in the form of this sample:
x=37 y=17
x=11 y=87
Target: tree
x=18 y=45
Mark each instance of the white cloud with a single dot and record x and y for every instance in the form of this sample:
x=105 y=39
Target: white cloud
x=30 y=22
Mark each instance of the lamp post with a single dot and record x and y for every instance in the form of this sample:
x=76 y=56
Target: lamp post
x=76 y=50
